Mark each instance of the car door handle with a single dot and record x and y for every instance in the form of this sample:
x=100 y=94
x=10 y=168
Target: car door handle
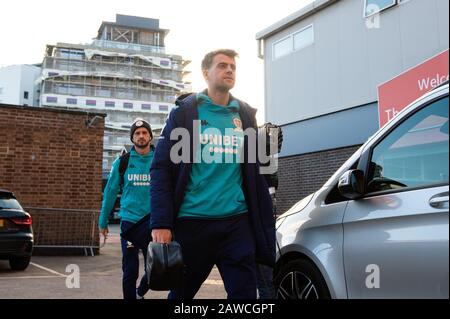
x=439 y=200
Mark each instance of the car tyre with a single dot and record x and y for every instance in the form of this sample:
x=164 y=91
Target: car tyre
x=19 y=263
x=300 y=279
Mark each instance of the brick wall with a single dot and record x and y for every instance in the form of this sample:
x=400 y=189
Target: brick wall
x=49 y=158
x=301 y=175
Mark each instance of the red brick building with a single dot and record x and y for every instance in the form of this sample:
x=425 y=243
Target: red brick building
x=52 y=160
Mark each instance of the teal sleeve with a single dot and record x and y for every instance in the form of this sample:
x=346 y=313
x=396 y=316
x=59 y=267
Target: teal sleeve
x=110 y=194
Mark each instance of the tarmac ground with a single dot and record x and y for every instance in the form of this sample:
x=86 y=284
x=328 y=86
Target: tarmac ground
x=100 y=277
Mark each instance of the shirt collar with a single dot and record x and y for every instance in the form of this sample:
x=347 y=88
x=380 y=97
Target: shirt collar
x=203 y=97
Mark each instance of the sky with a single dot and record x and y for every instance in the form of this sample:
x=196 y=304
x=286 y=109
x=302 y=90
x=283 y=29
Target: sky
x=196 y=27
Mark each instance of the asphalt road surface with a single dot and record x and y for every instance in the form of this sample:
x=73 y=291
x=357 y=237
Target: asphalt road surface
x=100 y=277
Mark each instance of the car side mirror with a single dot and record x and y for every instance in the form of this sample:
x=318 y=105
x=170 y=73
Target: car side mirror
x=351 y=184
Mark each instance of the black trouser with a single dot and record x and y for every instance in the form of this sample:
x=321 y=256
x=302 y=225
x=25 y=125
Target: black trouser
x=227 y=243
x=130 y=267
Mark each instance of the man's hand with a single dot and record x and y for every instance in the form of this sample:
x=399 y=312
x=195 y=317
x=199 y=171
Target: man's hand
x=104 y=231
x=162 y=236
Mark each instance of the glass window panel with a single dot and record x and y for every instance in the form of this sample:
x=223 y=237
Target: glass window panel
x=416 y=153
x=282 y=47
x=303 y=38
x=375 y=6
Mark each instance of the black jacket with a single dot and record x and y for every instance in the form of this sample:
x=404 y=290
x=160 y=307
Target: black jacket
x=169 y=180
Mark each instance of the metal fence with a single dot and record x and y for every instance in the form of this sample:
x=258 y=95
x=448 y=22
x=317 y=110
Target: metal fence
x=65 y=228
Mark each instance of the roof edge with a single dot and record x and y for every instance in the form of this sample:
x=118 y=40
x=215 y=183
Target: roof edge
x=297 y=16
x=116 y=24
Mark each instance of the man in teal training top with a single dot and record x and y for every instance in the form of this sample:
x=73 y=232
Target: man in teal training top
x=134 y=203
x=216 y=205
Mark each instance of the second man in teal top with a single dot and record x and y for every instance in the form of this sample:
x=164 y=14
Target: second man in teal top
x=134 y=203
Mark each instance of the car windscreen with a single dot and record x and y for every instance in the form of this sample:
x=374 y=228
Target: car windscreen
x=9 y=203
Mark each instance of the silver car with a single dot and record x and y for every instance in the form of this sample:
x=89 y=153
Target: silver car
x=378 y=228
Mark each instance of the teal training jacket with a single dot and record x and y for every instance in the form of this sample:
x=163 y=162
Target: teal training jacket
x=135 y=200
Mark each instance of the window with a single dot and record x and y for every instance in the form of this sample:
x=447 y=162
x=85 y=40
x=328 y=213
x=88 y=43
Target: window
x=303 y=38
x=127 y=105
x=7 y=202
x=25 y=94
x=52 y=99
x=415 y=153
x=293 y=42
x=282 y=48
x=75 y=89
x=121 y=140
x=71 y=101
x=105 y=164
x=375 y=6
x=91 y=102
x=70 y=54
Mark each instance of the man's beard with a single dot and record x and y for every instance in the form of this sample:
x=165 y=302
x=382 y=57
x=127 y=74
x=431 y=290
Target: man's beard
x=223 y=88
x=140 y=145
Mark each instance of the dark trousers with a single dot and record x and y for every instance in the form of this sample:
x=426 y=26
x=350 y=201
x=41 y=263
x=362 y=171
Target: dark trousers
x=264 y=275
x=130 y=267
x=227 y=243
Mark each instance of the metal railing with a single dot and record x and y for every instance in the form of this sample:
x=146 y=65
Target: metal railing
x=131 y=93
x=128 y=46
x=65 y=228
x=112 y=67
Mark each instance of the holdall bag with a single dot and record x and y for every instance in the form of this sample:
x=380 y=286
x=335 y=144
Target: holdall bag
x=140 y=233
x=164 y=266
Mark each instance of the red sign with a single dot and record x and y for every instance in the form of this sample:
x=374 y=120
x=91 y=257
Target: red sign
x=396 y=94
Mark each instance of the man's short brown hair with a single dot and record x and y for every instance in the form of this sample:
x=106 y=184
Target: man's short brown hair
x=209 y=57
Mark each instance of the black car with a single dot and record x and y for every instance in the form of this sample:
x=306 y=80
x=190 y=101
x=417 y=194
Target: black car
x=16 y=233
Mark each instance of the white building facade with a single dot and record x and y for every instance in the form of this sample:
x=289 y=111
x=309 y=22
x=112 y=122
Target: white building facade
x=18 y=85
x=124 y=73
x=323 y=67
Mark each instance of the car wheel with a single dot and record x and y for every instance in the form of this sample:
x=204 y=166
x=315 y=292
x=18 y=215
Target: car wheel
x=21 y=263
x=300 y=279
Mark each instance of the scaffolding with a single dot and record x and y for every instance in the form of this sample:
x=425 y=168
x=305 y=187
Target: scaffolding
x=124 y=72
x=112 y=76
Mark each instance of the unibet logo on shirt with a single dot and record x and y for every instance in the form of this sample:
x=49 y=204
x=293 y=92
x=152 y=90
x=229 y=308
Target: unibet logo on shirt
x=139 y=179
x=221 y=148
x=214 y=189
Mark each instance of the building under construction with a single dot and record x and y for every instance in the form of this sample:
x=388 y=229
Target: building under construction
x=124 y=73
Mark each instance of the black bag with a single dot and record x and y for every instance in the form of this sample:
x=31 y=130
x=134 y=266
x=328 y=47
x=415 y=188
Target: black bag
x=139 y=234
x=164 y=266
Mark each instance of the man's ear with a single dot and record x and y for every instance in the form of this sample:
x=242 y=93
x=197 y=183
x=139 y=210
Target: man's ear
x=205 y=74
